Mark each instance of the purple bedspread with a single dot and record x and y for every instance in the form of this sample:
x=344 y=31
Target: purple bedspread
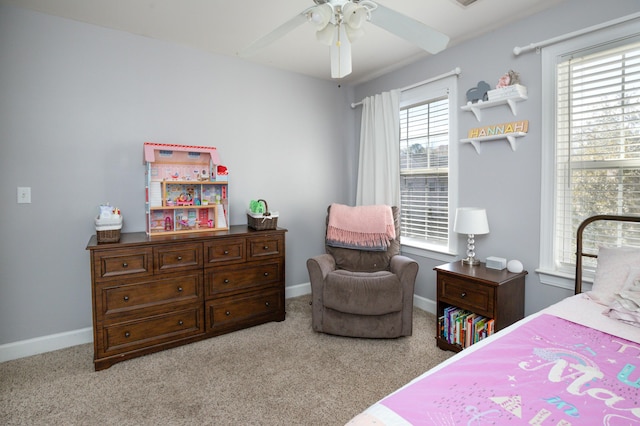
x=550 y=372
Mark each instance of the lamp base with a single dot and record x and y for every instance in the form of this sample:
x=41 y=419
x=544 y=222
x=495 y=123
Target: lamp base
x=472 y=261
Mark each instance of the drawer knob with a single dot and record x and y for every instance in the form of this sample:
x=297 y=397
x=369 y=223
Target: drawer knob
x=179 y=258
x=125 y=264
x=266 y=274
x=226 y=281
x=127 y=334
x=464 y=294
x=266 y=304
x=227 y=313
x=180 y=322
x=126 y=298
x=266 y=247
x=180 y=289
x=226 y=252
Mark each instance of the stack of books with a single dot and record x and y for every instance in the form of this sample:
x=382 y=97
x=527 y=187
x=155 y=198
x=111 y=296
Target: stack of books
x=464 y=328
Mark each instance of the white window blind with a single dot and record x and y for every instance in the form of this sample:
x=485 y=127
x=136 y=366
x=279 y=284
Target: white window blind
x=597 y=147
x=424 y=171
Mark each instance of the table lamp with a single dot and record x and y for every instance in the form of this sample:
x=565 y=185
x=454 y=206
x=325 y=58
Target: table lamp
x=471 y=221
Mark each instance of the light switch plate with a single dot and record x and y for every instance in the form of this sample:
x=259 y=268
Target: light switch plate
x=24 y=194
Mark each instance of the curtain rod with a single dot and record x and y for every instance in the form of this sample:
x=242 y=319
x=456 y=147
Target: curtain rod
x=534 y=46
x=455 y=71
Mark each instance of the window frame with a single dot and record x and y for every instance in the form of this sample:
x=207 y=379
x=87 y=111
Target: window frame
x=419 y=95
x=549 y=272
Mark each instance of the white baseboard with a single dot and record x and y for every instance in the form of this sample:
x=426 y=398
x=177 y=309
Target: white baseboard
x=44 y=344
x=297 y=290
x=424 y=304
x=53 y=342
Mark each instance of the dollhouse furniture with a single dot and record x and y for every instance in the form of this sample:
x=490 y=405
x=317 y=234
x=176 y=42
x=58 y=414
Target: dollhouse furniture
x=151 y=293
x=362 y=293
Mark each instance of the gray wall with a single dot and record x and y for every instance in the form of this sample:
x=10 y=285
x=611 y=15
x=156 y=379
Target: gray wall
x=506 y=183
x=76 y=104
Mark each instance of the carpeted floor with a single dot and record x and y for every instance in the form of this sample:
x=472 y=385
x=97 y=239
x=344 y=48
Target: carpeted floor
x=273 y=374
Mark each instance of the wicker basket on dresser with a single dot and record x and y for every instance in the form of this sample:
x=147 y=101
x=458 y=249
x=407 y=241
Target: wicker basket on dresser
x=155 y=293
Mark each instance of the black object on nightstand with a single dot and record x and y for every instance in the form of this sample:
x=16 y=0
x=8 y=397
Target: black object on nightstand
x=491 y=293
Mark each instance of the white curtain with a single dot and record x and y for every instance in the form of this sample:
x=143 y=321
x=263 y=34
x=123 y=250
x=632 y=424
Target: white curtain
x=379 y=164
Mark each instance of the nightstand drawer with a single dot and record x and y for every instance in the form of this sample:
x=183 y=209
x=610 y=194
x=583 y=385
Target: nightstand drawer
x=472 y=296
x=177 y=257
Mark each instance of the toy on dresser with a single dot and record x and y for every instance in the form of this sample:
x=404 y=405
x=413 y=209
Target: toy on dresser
x=108 y=224
x=186 y=189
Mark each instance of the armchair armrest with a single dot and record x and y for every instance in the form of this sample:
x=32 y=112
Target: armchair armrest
x=407 y=270
x=319 y=267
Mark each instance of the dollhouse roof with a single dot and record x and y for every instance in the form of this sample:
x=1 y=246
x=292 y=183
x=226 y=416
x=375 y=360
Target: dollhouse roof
x=150 y=149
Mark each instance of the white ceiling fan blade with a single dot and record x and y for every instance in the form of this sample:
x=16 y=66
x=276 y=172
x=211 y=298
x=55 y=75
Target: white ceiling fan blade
x=409 y=29
x=274 y=35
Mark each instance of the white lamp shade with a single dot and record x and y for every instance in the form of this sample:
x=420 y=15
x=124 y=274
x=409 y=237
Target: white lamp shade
x=471 y=220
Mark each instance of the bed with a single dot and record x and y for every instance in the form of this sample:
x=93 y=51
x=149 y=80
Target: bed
x=573 y=363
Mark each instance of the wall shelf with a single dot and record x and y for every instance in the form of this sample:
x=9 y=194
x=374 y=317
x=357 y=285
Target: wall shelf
x=477 y=108
x=510 y=137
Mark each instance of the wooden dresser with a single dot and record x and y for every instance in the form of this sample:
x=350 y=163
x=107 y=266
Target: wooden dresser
x=154 y=293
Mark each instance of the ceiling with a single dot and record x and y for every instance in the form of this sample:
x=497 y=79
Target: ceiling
x=226 y=27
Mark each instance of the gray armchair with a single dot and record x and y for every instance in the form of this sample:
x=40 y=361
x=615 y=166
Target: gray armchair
x=360 y=293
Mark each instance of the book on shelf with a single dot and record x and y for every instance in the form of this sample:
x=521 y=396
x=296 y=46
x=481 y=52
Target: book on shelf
x=464 y=328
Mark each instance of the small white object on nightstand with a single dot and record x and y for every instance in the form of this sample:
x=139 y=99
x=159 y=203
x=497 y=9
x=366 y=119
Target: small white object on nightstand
x=515 y=266
x=496 y=262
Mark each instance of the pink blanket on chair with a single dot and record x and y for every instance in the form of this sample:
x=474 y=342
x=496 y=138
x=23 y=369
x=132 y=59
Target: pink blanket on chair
x=361 y=227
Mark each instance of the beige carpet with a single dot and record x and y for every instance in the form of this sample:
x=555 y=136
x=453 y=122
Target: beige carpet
x=273 y=374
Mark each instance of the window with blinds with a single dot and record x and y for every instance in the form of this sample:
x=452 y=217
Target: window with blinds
x=597 y=147
x=424 y=171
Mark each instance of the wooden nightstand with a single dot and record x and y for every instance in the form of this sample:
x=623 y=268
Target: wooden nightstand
x=493 y=294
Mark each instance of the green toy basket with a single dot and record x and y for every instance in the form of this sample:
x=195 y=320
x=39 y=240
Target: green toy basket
x=262 y=221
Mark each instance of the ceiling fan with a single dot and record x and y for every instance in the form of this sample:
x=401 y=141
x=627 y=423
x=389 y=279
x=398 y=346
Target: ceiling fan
x=339 y=22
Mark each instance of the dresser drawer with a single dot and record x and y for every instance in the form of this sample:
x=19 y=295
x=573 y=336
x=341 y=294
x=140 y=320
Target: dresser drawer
x=122 y=263
x=472 y=296
x=226 y=312
x=152 y=330
x=266 y=246
x=177 y=257
x=224 y=251
x=219 y=280
x=131 y=297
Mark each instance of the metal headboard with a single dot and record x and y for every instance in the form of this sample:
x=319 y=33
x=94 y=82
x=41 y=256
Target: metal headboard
x=580 y=254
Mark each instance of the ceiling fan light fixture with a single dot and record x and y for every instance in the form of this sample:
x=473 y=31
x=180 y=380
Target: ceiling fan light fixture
x=327 y=35
x=354 y=15
x=340 y=53
x=321 y=15
x=354 y=33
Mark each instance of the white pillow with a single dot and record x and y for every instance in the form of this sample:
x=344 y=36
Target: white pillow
x=612 y=271
x=626 y=305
